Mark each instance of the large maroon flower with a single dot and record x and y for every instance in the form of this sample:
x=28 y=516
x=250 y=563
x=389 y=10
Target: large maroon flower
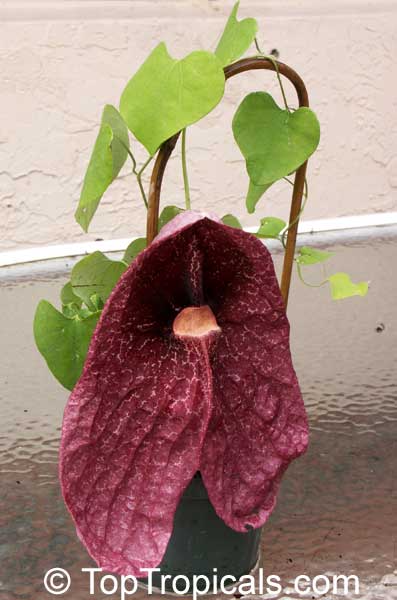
x=189 y=369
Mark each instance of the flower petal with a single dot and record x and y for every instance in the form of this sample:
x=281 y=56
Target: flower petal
x=134 y=425
x=152 y=407
x=258 y=424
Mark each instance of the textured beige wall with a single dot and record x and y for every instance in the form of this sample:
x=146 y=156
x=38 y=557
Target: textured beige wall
x=62 y=60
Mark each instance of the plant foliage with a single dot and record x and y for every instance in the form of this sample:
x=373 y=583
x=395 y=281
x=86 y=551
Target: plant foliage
x=165 y=96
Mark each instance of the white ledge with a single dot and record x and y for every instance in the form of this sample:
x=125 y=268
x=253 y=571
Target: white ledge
x=28 y=255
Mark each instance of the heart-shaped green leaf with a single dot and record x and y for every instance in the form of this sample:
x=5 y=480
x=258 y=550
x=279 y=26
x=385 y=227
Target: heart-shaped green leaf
x=63 y=342
x=134 y=249
x=96 y=274
x=270 y=227
x=232 y=221
x=311 y=256
x=236 y=38
x=69 y=297
x=343 y=287
x=107 y=158
x=254 y=194
x=273 y=141
x=167 y=214
x=166 y=95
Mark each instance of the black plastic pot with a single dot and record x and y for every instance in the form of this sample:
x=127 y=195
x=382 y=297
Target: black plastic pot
x=201 y=541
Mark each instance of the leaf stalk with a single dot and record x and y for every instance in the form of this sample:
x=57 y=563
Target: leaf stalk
x=184 y=172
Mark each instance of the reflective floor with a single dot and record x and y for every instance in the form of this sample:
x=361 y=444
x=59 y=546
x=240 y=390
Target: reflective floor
x=337 y=510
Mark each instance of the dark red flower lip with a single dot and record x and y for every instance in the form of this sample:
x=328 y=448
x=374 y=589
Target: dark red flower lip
x=183 y=220
x=158 y=401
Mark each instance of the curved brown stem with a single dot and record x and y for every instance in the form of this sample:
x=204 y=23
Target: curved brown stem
x=246 y=64
x=155 y=187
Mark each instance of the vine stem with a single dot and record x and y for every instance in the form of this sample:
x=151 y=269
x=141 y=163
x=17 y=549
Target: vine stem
x=275 y=65
x=132 y=157
x=283 y=235
x=313 y=285
x=138 y=174
x=305 y=199
x=184 y=171
x=145 y=164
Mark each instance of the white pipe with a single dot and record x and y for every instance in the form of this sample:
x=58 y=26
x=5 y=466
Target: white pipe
x=15 y=257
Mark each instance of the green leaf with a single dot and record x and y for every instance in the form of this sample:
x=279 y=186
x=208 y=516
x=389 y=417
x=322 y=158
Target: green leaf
x=96 y=302
x=232 y=221
x=71 y=310
x=107 y=158
x=84 y=312
x=236 y=38
x=343 y=287
x=63 y=342
x=167 y=214
x=166 y=95
x=96 y=274
x=68 y=296
x=273 y=141
x=270 y=227
x=311 y=256
x=121 y=141
x=254 y=194
x=134 y=249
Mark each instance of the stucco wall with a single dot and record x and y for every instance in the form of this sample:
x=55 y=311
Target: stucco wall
x=62 y=60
